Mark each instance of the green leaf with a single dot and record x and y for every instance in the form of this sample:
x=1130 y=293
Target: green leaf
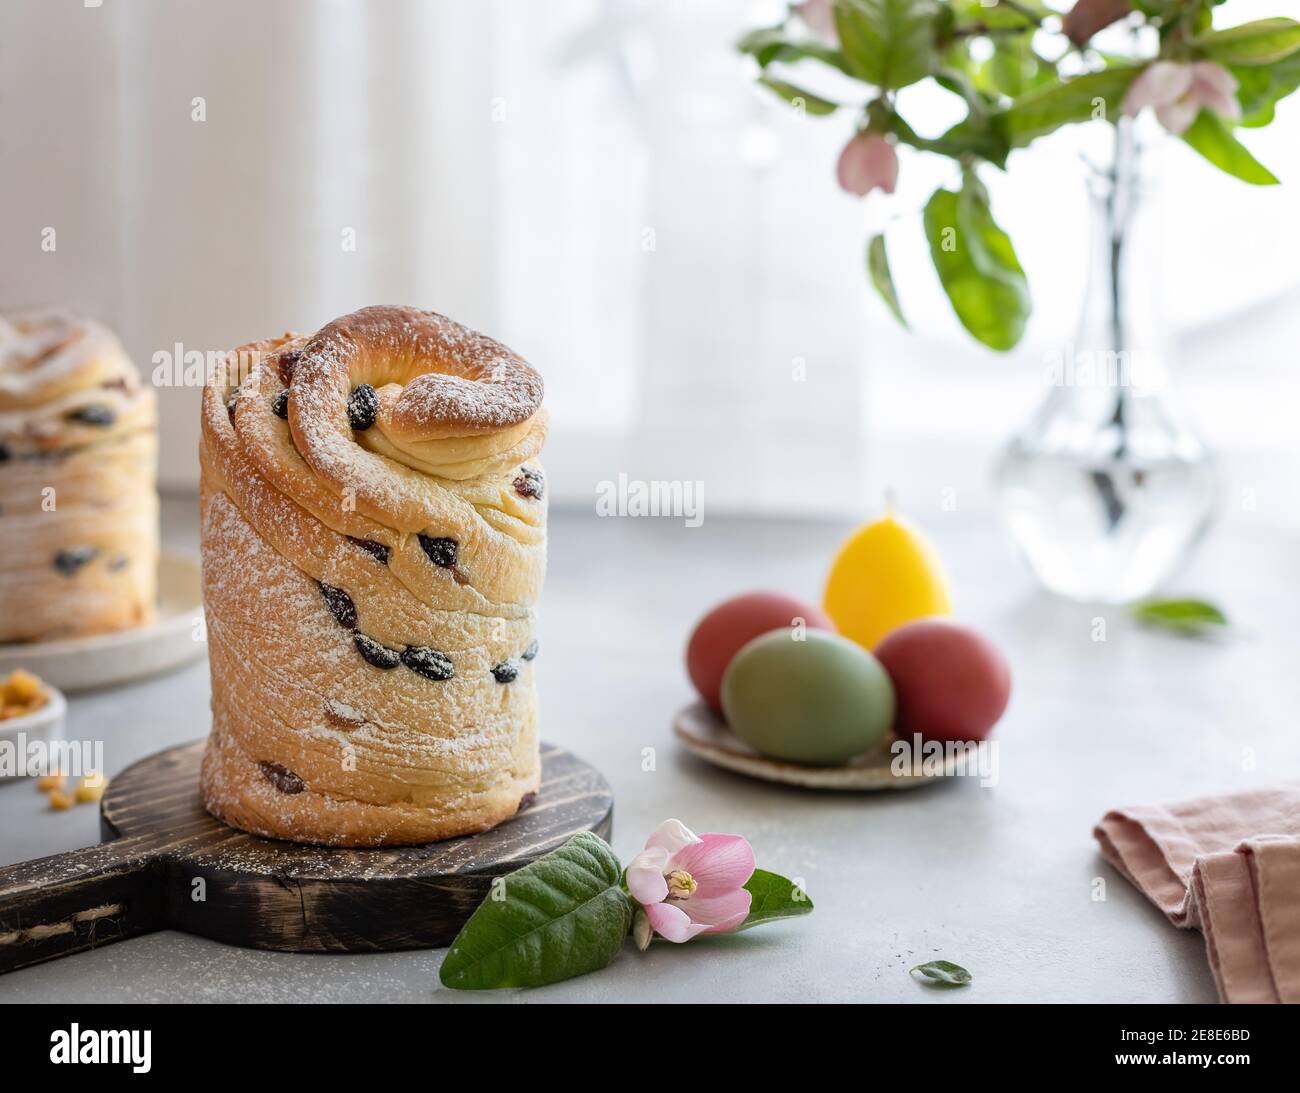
x=889 y=43
x=763 y=44
x=799 y=98
x=1156 y=8
x=881 y=278
x=1259 y=43
x=773 y=897
x=977 y=265
x=1214 y=140
x=563 y=915
x=1013 y=63
x=1096 y=95
x=772 y=44
x=997 y=16
x=943 y=973
x=960 y=82
x=1261 y=87
x=980 y=136
x=1181 y=616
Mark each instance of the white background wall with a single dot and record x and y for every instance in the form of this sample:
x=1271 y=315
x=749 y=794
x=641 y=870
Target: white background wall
x=600 y=186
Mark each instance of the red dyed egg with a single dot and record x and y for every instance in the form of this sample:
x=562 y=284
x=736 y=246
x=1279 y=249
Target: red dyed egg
x=719 y=635
x=951 y=682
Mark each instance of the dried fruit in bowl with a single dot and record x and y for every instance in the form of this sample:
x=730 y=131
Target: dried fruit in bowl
x=21 y=693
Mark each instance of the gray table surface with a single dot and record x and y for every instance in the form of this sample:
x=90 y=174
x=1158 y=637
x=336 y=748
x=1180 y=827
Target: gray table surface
x=999 y=879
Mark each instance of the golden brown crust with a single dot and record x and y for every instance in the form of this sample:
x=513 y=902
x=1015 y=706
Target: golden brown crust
x=309 y=558
x=455 y=382
x=78 y=457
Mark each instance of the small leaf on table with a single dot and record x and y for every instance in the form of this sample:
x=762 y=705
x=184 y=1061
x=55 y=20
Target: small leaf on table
x=563 y=915
x=773 y=897
x=943 y=973
x=1182 y=616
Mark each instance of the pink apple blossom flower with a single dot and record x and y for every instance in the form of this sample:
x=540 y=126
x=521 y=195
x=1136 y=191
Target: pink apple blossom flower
x=1178 y=91
x=868 y=163
x=689 y=884
x=818 y=17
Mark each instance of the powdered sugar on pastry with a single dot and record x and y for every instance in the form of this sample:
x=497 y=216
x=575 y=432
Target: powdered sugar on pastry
x=78 y=454
x=369 y=569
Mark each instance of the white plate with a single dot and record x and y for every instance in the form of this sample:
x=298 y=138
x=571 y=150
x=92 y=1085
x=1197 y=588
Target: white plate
x=705 y=734
x=43 y=724
x=79 y=664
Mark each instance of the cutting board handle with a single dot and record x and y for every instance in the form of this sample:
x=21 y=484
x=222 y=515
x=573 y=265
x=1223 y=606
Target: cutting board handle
x=65 y=903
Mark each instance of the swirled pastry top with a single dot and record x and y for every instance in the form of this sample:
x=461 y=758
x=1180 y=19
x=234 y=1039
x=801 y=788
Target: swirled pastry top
x=392 y=425
x=65 y=382
x=451 y=402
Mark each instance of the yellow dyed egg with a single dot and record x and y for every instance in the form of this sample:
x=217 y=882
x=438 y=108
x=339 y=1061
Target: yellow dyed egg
x=886 y=574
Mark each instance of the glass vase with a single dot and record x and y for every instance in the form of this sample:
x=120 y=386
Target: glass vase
x=1108 y=487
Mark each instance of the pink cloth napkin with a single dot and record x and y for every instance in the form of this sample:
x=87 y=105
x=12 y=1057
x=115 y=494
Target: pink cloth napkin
x=1230 y=867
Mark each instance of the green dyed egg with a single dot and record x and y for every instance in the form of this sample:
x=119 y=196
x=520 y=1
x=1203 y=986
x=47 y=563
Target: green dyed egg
x=820 y=700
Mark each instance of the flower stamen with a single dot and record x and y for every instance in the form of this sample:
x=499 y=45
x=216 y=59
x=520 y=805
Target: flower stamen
x=680 y=884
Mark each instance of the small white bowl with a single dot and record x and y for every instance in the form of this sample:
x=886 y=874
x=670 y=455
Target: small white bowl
x=43 y=724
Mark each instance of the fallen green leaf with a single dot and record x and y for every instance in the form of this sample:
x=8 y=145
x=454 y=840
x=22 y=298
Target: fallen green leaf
x=943 y=973
x=1182 y=616
x=563 y=915
x=773 y=897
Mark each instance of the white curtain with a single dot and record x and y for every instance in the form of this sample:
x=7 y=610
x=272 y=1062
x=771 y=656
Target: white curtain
x=660 y=249
x=201 y=162
x=598 y=184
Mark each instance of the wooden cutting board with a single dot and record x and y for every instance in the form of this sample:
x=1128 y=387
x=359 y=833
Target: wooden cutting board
x=166 y=864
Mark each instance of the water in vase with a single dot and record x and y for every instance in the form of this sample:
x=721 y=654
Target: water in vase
x=1108 y=487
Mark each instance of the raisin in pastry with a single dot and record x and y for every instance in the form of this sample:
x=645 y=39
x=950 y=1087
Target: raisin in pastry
x=78 y=433
x=368 y=551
